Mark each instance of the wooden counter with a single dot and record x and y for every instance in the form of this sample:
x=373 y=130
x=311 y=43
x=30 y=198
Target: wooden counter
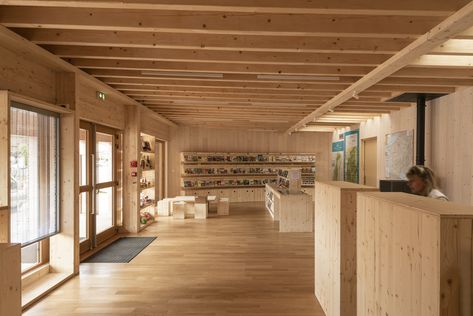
x=295 y=212
x=10 y=280
x=335 y=246
x=414 y=256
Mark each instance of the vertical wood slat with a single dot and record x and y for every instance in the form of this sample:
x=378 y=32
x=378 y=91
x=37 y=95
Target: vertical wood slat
x=4 y=167
x=64 y=256
x=131 y=153
x=10 y=279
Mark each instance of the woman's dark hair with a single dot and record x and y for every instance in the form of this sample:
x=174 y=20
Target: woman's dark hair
x=426 y=174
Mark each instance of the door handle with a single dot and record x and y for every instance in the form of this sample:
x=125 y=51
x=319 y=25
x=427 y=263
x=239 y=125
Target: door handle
x=92 y=167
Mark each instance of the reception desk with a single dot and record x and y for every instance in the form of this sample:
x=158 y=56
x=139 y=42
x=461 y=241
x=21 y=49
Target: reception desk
x=335 y=246
x=414 y=256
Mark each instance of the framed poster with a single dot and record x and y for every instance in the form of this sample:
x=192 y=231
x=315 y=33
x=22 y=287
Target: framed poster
x=338 y=161
x=399 y=154
x=352 y=156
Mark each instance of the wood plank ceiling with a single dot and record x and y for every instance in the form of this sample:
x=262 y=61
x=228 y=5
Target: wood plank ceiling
x=247 y=64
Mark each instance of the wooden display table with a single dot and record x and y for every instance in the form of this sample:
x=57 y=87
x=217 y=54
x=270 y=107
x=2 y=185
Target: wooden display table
x=335 y=246
x=414 y=256
x=10 y=280
x=295 y=212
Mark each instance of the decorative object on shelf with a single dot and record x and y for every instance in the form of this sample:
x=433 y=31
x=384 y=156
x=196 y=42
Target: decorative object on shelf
x=146 y=163
x=146 y=146
x=146 y=217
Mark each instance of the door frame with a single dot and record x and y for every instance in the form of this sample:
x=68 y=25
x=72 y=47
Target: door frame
x=95 y=239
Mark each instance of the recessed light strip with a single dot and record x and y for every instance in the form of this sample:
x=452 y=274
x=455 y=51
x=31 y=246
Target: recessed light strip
x=183 y=74
x=297 y=77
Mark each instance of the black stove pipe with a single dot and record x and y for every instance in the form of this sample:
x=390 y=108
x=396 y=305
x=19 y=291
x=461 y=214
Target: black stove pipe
x=420 y=134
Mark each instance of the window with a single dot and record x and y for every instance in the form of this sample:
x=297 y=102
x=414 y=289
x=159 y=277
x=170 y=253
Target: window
x=34 y=175
x=30 y=256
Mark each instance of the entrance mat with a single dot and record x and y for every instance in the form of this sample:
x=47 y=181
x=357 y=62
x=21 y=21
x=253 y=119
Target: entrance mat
x=123 y=250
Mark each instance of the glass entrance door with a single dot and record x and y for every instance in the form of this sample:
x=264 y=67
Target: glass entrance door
x=97 y=150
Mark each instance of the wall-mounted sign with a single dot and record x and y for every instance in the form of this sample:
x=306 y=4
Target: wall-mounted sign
x=101 y=95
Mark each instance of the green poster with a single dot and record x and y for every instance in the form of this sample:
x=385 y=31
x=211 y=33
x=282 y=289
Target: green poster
x=352 y=156
x=338 y=161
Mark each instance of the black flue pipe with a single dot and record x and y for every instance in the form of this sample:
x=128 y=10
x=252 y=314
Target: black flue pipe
x=420 y=135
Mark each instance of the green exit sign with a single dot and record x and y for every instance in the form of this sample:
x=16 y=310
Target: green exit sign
x=101 y=95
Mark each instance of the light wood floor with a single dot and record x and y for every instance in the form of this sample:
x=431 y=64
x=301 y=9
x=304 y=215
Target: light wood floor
x=235 y=265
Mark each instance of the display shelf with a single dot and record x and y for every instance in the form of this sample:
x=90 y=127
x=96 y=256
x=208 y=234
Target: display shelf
x=222 y=187
x=147 y=188
x=144 y=206
x=213 y=157
x=240 y=176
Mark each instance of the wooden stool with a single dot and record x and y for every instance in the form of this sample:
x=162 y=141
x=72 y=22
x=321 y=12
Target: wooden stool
x=223 y=207
x=212 y=200
x=164 y=208
x=201 y=207
x=179 y=210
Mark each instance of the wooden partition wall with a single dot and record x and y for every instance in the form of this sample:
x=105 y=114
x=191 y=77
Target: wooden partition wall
x=335 y=246
x=414 y=256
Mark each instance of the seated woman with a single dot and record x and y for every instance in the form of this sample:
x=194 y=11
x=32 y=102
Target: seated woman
x=422 y=181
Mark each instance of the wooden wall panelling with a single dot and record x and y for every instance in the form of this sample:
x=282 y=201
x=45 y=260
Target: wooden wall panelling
x=64 y=247
x=26 y=77
x=379 y=127
x=66 y=89
x=132 y=151
x=335 y=246
x=110 y=112
x=152 y=126
x=10 y=279
x=452 y=154
x=4 y=167
x=422 y=251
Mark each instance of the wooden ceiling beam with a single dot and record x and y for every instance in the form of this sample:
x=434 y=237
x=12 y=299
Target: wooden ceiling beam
x=407 y=72
x=245 y=96
x=216 y=56
x=256 y=68
x=380 y=7
x=294 y=44
x=236 y=90
x=445 y=61
x=223 y=23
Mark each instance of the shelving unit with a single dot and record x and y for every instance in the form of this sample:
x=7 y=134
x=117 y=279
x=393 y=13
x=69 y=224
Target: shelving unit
x=294 y=211
x=147 y=184
x=240 y=176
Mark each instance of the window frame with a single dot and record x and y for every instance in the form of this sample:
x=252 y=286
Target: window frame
x=57 y=117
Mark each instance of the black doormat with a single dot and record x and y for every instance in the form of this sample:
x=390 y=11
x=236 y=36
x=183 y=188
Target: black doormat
x=123 y=250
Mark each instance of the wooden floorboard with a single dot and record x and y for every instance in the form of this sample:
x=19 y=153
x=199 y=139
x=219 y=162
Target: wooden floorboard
x=233 y=265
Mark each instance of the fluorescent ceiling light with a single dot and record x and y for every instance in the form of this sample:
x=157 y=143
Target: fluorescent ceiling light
x=298 y=77
x=182 y=74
